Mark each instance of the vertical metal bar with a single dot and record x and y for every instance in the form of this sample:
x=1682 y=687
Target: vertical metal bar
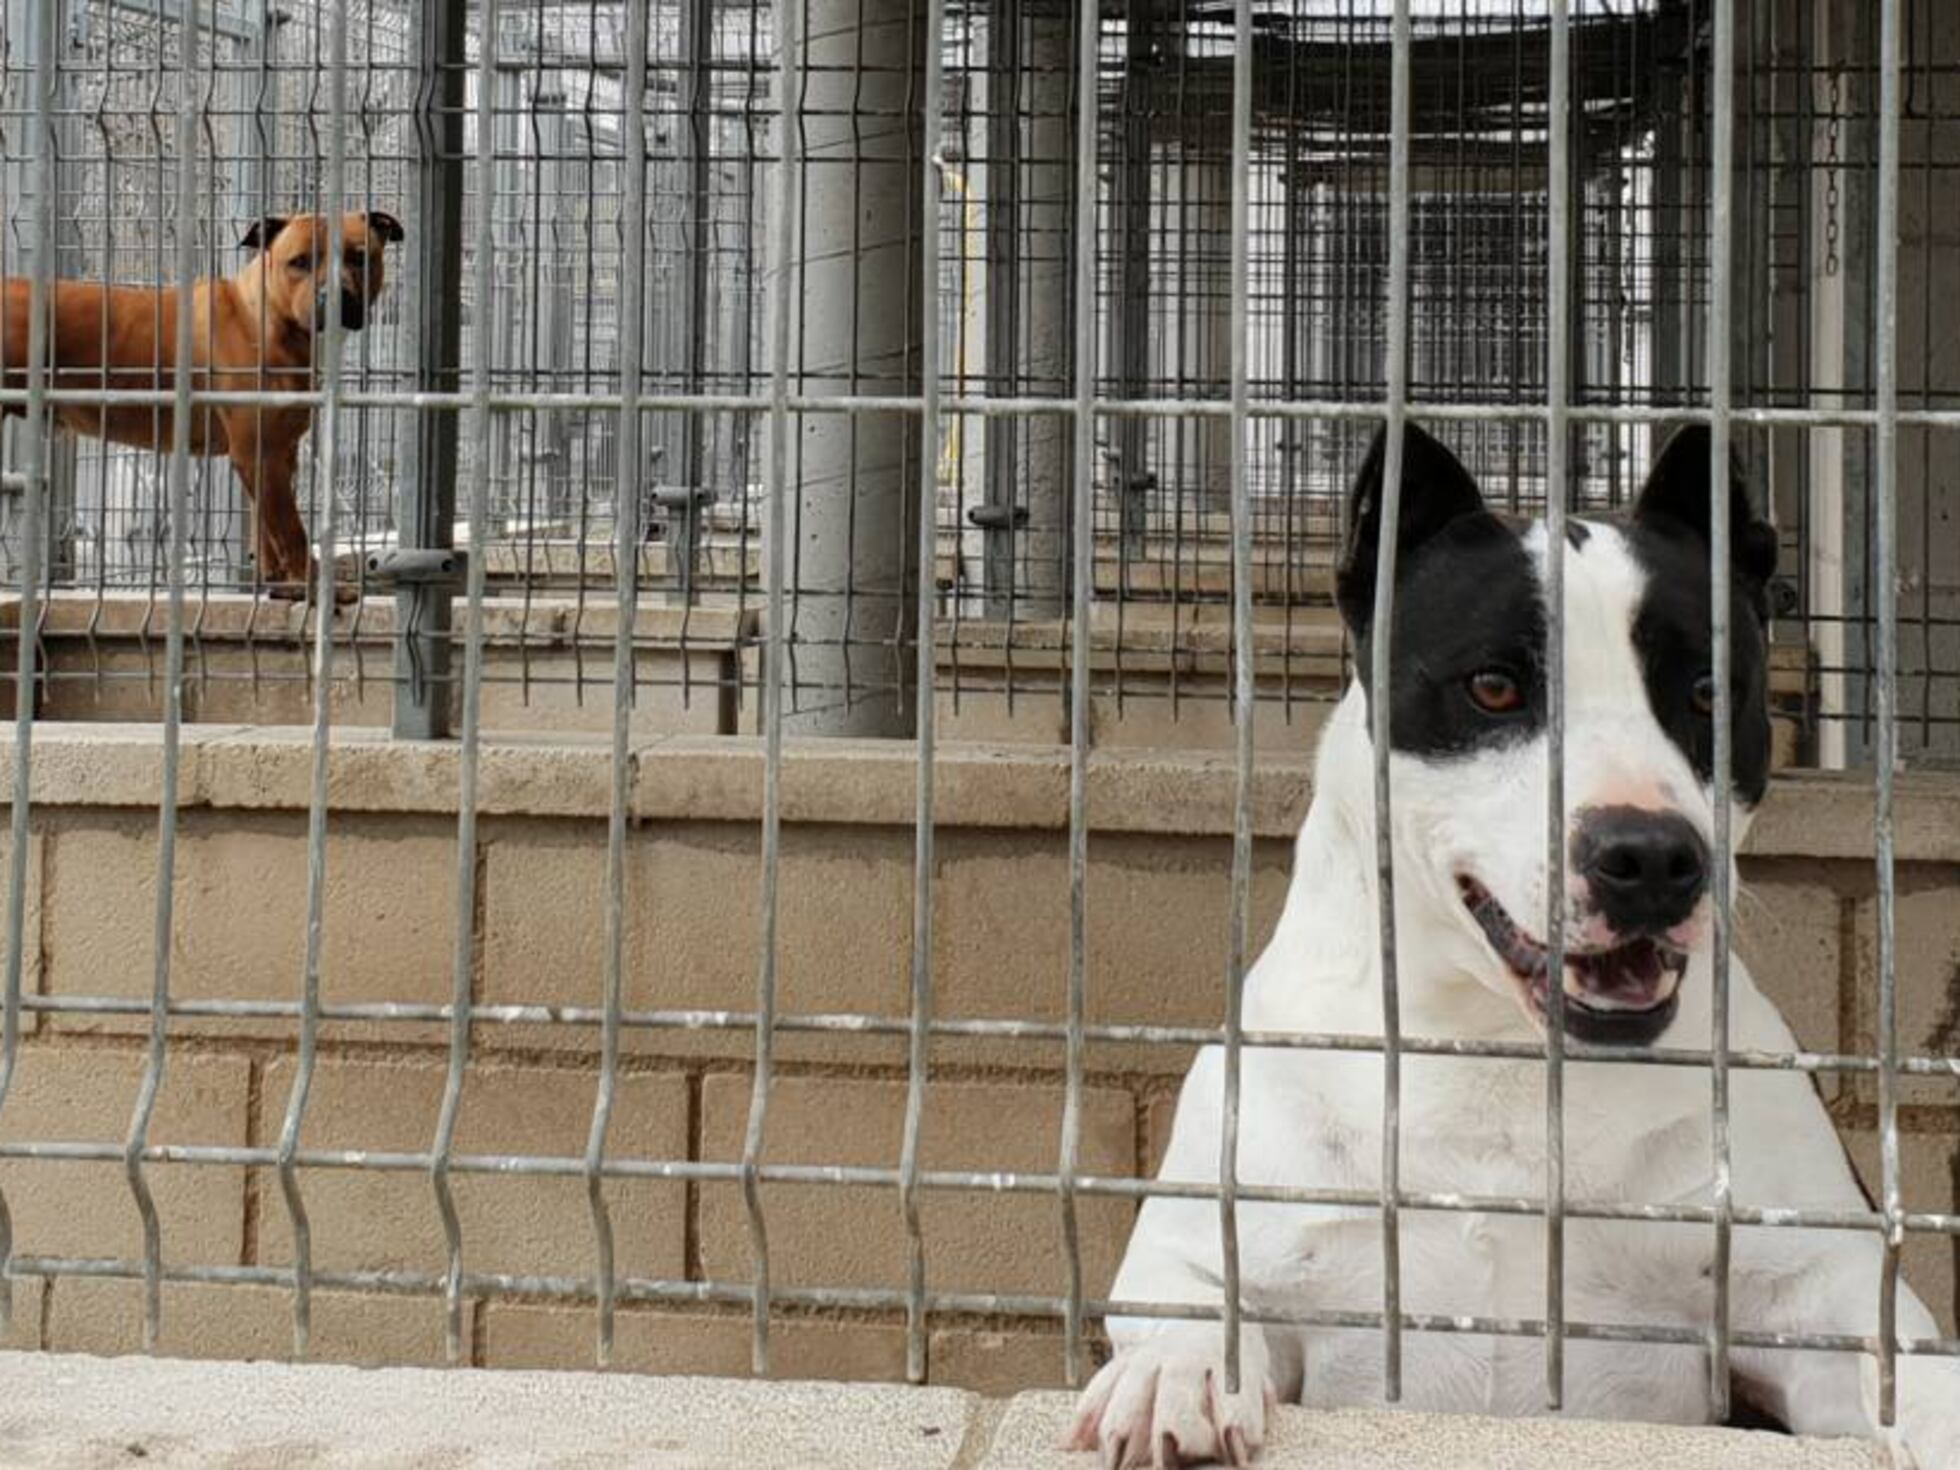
x=482 y=293
x=1558 y=443
x=327 y=442
x=1720 y=389
x=1130 y=311
x=173 y=687
x=694 y=474
x=1008 y=59
x=1380 y=637
x=918 y=1054
x=1885 y=530
x=626 y=581
x=424 y=697
x=1081 y=594
x=33 y=496
x=1241 y=518
x=777 y=224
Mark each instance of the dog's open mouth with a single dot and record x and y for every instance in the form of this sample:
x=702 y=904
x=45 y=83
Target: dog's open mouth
x=1624 y=995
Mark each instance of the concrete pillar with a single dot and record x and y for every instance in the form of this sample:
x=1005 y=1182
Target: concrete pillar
x=1031 y=174
x=855 y=329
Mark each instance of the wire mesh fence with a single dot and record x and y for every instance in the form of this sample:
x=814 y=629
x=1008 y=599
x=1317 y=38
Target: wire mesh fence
x=1317 y=241
x=945 y=350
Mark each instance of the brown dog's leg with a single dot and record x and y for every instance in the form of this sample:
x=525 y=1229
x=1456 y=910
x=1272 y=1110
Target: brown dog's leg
x=285 y=561
x=266 y=471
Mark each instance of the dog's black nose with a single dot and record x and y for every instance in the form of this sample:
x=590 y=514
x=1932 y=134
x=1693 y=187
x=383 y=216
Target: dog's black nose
x=353 y=310
x=1647 y=869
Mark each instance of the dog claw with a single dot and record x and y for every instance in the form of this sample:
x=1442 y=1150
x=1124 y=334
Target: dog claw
x=1235 y=1448
x=1112 y=1452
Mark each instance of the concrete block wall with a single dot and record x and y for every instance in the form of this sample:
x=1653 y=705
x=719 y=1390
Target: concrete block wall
x=1158 y=885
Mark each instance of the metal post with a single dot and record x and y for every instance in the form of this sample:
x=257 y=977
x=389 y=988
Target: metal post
x=1048 y=204
x=1030 y=198
x=1000 y=514
x=71 y=260
x=550 y=443
x=23 y=185
x=427 y=521
x=257 y=195
x=38 y=433
x=688 y=480
x=1131 y=317
x=855 y=331
x=1197 y=335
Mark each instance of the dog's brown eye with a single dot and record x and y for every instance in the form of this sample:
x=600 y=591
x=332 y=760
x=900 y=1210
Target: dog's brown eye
x=1704 y=695
x=1495 y=691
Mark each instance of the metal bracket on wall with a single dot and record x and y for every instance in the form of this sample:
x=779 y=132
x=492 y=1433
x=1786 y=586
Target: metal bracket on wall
x=407 y=566
x=998 y=517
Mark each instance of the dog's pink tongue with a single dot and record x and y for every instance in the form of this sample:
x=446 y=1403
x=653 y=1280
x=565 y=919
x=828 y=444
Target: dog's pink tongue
x=1632 y=977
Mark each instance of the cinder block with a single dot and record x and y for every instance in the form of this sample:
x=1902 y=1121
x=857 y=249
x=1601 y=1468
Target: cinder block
x=1158 y=917
x=557 y=691
x=693 y=896
x=1927 y=925
x=830 y=1235
x=272 y=685
x=1144 y=719
x=31 y=946
x=84 y=1207
x=208 y=1320
x=999 y=1362
x=1929 y=1179
x=524 y=1335
x=1789 y=926
x=23 y=1330
x=388 y=925
x=525 y=1223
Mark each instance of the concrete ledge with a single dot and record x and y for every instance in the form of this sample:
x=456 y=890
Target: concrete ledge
x=849 y=782
x=82 y=1413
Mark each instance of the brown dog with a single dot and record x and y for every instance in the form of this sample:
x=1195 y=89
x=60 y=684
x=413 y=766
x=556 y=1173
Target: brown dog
x=253 y=330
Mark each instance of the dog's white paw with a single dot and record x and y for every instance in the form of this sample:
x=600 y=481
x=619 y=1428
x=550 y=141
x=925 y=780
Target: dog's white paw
x=1165 y=1404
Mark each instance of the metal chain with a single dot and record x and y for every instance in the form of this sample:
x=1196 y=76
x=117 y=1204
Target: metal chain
x=1832 y=171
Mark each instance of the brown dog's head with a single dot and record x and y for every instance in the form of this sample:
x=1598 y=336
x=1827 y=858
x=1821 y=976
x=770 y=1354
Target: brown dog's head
x=302 y=284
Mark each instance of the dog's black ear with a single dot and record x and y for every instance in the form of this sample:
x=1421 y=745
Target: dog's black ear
x=263 y=232
x=1436 y=489
x=386 y=226
x=1678 y=492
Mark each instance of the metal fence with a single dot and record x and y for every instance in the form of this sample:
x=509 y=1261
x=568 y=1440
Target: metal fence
x=1541 y=227
x=1006 y=215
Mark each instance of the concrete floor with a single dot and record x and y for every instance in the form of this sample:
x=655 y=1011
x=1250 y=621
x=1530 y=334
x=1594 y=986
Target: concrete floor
x=81 y=1413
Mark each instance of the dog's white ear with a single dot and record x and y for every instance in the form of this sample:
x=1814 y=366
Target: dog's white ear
x=1436 y=489
x=1679 y=493
x=262 y=232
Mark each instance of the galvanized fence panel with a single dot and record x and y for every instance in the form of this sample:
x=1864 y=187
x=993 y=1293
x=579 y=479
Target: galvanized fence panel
x=745 y=382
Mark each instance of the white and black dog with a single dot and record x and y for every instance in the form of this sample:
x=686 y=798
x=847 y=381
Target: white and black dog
x=1467 y=712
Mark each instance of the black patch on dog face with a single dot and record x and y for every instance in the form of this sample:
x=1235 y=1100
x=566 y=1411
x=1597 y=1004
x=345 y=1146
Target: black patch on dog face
x=1673 y=627
x=1467 y=602
x=1577 y=533
x=262 y=232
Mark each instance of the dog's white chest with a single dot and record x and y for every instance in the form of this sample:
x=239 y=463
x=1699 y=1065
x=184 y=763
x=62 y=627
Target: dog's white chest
x=1478 y=1129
